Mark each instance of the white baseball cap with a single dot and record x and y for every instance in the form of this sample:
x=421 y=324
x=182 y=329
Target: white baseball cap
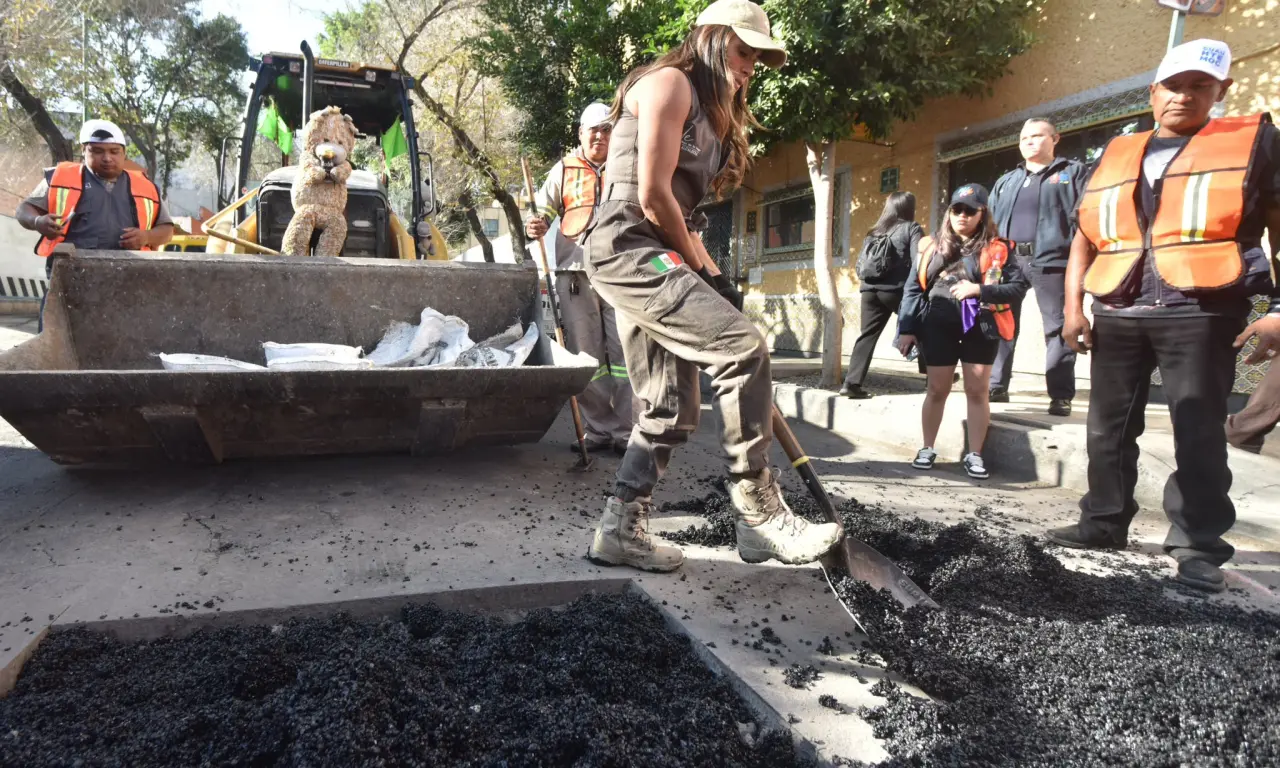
x=751 y=24
x=1211 y=57
x=596 y=114
x=102 y=132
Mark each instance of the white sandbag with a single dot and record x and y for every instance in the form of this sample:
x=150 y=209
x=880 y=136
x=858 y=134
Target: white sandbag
x=508 y=349
x=205 y=363
x=321 y=363
x=276 y=351
x=437 y=339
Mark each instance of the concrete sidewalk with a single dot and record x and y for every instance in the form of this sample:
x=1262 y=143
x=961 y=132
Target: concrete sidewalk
x=1025 y=444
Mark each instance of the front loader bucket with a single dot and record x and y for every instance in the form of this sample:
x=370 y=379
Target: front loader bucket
x=91 y=389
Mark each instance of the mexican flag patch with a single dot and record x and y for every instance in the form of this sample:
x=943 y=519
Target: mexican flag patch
x=666 y=262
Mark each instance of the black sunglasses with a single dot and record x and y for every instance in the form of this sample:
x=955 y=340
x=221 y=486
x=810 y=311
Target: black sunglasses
x=964 y=210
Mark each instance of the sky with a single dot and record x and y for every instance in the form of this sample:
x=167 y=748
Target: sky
x=275 y=25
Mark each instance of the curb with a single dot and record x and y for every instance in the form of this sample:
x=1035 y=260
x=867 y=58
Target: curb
x=29 y=307
x=1022 y=451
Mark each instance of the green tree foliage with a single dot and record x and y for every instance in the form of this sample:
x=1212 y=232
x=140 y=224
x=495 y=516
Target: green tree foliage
x=165 y=74
x=554 y=58
x=870 y=63
x=168 y=78
x=39 y=61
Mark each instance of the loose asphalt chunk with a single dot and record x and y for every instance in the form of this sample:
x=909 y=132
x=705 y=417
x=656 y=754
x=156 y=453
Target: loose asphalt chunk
x=601 y=682
x=1031 y=663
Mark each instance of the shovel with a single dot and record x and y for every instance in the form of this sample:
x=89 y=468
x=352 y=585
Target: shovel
x=857 y=558
x=585 y=462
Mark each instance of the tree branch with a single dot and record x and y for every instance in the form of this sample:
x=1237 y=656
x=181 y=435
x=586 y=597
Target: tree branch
x=60 y=150
x=478 y=159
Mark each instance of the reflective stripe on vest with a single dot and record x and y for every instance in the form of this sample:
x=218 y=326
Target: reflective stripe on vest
x=1193 y=233
x=995 y=254
x=65 y=188
x=579 y=190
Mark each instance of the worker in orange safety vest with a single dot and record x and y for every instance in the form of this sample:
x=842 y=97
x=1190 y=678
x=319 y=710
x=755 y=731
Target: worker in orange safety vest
x=97 y=204
x=573 y=188
x=1170 y=247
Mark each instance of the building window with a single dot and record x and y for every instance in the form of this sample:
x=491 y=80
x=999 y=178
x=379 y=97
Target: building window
x=888 y=180
x=490 y=227
x=789 y=223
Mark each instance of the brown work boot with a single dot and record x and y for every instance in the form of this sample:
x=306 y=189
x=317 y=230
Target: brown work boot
x=622 y=538
x=767 y=528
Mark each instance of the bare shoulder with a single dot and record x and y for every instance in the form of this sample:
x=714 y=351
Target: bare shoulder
x=665 y=91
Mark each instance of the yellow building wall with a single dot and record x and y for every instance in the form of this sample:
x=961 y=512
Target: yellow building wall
x=1078 y=45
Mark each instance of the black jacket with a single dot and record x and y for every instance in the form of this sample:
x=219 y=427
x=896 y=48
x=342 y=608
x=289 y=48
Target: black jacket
x=1013 y=286
x=1060 y=192
x=904 y=241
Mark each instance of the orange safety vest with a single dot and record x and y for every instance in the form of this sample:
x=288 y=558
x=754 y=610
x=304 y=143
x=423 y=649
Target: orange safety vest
x=580 y=187
x=1192 y=236
x=996 y=254
x=65 y=187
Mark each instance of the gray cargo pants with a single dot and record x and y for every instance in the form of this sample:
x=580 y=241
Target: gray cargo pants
x=672 y=324
x=590 y=327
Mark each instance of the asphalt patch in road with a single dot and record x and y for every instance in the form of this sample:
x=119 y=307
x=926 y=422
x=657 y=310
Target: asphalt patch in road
x=1031 y=663
x=601 y=682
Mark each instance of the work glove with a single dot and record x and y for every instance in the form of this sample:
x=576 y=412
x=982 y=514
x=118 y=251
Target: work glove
x=722 y=286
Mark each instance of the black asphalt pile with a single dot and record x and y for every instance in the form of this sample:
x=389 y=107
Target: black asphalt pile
x=1030 y=663
x=602 y=682
x=1033 y=664
x=718 y=531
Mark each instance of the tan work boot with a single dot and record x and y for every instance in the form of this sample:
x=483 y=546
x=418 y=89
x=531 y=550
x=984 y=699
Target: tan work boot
x=767 y=528
x=622 y=538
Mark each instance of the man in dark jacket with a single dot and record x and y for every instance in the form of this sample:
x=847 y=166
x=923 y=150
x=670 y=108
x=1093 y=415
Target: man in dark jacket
x=1034 y=206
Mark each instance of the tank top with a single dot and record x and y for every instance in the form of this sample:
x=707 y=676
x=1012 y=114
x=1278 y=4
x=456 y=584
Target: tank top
x=701 y=159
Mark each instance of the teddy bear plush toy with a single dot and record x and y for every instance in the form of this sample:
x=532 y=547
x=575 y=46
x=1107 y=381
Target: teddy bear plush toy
x=320 y=190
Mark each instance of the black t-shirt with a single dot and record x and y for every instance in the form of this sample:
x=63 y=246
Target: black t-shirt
x=1264 y=176
x=1026 y=210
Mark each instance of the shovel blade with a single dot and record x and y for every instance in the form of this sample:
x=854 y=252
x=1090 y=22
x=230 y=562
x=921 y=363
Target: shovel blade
x=864 y=563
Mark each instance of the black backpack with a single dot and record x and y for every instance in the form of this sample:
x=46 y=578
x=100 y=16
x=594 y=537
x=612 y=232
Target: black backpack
x=878 y=261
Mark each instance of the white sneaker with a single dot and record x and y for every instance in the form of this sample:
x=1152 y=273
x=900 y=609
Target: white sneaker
x=976 y=468
x=622 y=538
x=925 y=458
x=768 y=529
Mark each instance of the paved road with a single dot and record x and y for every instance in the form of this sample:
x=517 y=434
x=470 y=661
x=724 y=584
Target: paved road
x=84 y=544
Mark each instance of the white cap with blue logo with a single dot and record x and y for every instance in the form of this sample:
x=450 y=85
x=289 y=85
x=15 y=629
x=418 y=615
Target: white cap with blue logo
x=1212 y=57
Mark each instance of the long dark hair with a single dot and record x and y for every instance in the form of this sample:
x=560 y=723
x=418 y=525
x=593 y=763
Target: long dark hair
x=704 y=57
x=900 y=208
x=949 y=242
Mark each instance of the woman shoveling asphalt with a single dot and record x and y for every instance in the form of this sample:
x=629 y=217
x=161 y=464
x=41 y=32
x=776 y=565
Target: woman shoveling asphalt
x=680 y=130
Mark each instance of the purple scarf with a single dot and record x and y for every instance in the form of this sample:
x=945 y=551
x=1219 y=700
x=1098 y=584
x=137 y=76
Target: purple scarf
x=969 y=311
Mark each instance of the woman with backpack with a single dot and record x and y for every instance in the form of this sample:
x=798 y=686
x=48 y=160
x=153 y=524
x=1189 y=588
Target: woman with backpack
x=957 y=310
x=883 y=267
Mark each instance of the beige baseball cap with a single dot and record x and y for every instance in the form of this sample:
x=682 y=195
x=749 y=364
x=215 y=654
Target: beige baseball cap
x=750 y=23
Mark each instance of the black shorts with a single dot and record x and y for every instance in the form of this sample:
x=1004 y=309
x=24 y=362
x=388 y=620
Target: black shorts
x=944 y=343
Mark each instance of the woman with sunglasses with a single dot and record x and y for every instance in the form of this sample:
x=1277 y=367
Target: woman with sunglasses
x=956 y=309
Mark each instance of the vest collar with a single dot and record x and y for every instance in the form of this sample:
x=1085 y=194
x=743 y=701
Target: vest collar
x=581 y=156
